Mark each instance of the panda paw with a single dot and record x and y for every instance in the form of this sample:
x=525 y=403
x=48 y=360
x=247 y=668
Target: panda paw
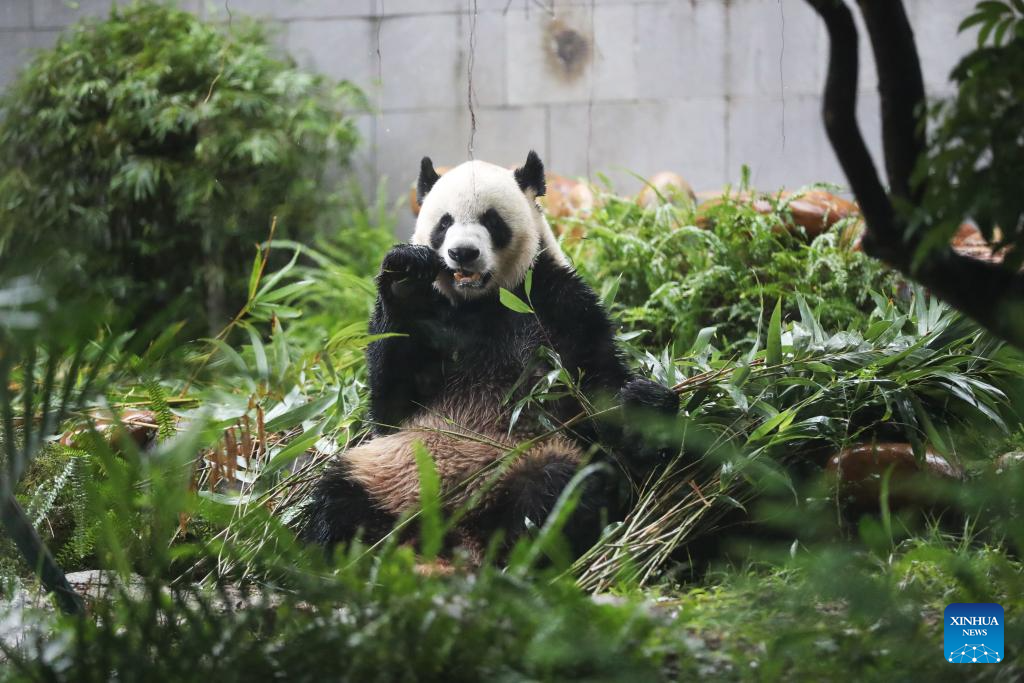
x=644 y=393
x=415 y=261
x=648 y=430
x=407 y=271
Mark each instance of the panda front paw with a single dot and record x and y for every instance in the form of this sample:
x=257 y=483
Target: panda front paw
x=408 y=268
x=414 y=261
x=649 y=427
x=647 y=394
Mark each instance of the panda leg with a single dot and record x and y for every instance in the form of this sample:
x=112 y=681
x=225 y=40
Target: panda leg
x=376 y=482
x=341 y=509
x=528 y=493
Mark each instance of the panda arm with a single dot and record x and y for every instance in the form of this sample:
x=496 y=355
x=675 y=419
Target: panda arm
x=576 y=324
x=584 y=336
x=392 y=389
x=405 y=298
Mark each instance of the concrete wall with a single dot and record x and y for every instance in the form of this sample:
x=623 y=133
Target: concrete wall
x=694 y=86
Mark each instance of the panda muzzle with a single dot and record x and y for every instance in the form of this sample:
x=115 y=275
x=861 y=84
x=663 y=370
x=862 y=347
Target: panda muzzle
x=463 y=278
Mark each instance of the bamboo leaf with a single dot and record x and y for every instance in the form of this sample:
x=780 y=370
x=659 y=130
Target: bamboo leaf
x=773 y=349
x=779 y=422
x=513 y=302
x=929 y=428
x=431 y=522
x=230 y=355
x=298 y=415
x=259 y=352
x=254 y=274
x=809 y=321
x=970 y=21
x=294 y=449
x=225 y=498
x=703 y=339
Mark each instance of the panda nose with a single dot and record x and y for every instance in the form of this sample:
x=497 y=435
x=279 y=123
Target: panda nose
x=464 y=255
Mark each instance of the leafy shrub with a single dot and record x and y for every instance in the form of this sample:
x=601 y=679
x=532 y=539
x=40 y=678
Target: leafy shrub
x=662 y=273
x=976 y=148
x=150 y=152
x=326 y=292
x=918 y=373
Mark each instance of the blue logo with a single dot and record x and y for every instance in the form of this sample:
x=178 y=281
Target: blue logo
x=974 y=633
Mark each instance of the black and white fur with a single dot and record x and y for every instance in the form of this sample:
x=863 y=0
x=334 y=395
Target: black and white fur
x=445 y=381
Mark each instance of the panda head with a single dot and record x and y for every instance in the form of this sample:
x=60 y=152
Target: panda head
x=485 y=224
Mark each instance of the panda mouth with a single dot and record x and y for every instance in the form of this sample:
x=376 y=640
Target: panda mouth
x=464 y=278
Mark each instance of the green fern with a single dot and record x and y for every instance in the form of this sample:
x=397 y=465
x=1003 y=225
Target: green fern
x=165 y=420
x=45 y=495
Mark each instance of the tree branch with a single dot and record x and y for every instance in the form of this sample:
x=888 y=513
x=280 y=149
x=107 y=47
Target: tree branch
x=12 y=515
x=839 y=111
x=901 y=88
x=32 y=548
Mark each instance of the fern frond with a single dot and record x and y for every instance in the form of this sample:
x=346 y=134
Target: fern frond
x=165 y=420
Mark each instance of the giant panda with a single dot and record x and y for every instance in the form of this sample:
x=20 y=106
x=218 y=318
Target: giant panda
x=451 y=370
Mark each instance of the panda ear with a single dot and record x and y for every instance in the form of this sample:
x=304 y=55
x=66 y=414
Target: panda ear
x=530 y=175
x=428 y=176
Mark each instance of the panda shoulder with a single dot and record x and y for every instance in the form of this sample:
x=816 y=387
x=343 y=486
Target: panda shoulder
x=559 y=284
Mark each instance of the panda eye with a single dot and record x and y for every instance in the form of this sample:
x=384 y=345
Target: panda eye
x=437 y=235
x=501 y=235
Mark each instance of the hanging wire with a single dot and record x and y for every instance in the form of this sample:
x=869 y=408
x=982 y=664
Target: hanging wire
x=470 y=93
x=782 y=79
x=380 y=130
x=593 y=81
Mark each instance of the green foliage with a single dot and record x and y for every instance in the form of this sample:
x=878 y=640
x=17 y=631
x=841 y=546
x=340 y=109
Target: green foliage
x=923 y=376
x=149 y=152
x=661 y=273
x=290 y=615
x=325 y=293
x=161 y=410
x=976 y=155
x=210 y=580
x=837 y=614
x=58 y=505
x=513 y=302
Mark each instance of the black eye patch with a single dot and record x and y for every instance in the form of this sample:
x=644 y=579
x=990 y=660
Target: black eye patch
x=501 y=235
x=437 y=234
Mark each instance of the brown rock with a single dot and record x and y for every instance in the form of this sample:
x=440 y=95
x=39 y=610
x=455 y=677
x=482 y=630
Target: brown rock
x=859 y=469
x=968 y=241
x=566 y=197
x=1008 y=461
x=138 y=425
x=666 y=186
x=814 y=210
x=817 y=211
x=707 y=202
x=853 y=235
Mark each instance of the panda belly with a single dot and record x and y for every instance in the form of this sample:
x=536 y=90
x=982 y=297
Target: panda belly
x=466 y=431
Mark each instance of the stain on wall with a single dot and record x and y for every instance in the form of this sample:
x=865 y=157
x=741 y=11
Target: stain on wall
x=569 y=49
